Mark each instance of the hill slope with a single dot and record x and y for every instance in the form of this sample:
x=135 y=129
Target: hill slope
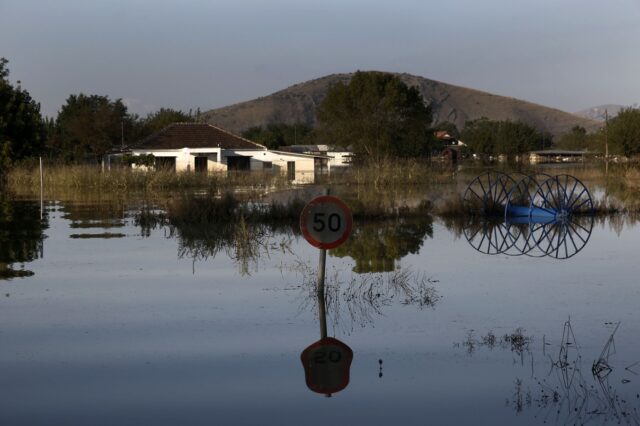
x=598 y=112
x=457 y=104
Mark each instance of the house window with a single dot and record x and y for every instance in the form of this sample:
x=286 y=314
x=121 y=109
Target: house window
x=267 y=165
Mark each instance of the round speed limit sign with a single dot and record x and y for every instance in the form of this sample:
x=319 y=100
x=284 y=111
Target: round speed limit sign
x=326 y=222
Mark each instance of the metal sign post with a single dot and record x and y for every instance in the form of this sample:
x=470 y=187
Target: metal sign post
x=320 y=293
x=326 y=223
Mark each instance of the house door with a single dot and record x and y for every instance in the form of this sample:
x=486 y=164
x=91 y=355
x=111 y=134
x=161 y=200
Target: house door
x=291 y=170
x=201 y=164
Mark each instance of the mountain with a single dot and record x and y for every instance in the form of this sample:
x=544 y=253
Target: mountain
x=297 y=104
x=598 y=112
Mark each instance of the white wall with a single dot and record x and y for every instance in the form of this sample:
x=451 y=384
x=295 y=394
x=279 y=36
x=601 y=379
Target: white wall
x=304 y=165
x=339 y=159
x=185 y=157
x=185 y=160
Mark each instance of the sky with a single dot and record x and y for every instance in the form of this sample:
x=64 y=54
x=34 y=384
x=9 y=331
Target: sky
x=567 y=54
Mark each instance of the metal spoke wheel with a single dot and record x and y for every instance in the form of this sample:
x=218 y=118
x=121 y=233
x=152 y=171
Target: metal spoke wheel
x=562 y=196
x=525 y=242
x=487 y=194
x=491 y=237
x=520 y=195
x=561 y=239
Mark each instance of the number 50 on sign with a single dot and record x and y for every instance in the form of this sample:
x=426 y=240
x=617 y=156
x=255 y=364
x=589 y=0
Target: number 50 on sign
x=326 y=222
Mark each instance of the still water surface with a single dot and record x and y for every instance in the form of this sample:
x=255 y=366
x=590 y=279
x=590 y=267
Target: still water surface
x=105 y=322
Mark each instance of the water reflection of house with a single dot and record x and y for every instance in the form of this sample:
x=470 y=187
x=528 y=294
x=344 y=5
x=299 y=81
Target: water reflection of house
x=336 y=157
x=205 y=148
x=556 y=156
x=451 y=154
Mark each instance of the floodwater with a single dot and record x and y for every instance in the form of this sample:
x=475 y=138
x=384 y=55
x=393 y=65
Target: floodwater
x=105 y=321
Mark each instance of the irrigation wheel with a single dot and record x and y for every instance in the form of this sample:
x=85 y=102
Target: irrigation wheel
x=490 y=237
x=562 y=196
x=487 y=194
x=523 y=190
x=561 y=239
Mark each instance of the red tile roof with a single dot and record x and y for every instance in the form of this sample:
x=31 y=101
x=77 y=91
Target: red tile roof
x=195 y=135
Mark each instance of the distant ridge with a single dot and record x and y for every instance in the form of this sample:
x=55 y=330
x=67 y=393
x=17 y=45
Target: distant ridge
x=297 y=104
x=598 y=112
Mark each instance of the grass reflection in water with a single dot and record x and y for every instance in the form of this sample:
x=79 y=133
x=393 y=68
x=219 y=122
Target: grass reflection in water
x=569 y=392
x=358 y=300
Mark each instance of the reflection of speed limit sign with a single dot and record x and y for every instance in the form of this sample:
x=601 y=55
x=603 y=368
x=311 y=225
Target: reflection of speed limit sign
x=326 y=222
x=326 y=365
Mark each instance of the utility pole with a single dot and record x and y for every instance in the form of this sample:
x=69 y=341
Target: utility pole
x=606 y=142
x=122 y=135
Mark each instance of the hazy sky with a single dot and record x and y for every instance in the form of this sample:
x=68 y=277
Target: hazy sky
x=568 y=54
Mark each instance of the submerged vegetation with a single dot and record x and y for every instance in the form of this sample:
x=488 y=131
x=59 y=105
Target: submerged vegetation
x=394 y=206
x=60 y=180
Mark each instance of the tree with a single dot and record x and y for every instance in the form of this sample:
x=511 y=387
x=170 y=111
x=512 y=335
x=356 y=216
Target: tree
x=624 y=132
x=160 y=119
x=377 y=115
x=575 y=139
x=21 y=125
x=89 y=126
x=448 y=127
x=277 y=135
x=490 y=137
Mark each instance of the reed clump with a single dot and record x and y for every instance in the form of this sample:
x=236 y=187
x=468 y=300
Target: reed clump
x=396 y=173
x=632 y=178
x=25 y=179
x=451 y=206
x=89 y=177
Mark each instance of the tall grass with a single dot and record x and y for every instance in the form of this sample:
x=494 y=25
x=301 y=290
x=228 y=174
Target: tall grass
x=25 y=179
x=397 y=173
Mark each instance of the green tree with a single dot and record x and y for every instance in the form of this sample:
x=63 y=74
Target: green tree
x=277 y=135
x=575 y=139
x=89 y=126
x=160 y=119
x=21 y=125
x=624 y=132
x=377 y=115
x=489 y=137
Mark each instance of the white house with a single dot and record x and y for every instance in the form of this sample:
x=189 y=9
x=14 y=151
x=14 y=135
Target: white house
x=203 y=148
x=337 y=157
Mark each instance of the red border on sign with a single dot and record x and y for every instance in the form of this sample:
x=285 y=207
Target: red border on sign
x=323 y=199
x=326 y=342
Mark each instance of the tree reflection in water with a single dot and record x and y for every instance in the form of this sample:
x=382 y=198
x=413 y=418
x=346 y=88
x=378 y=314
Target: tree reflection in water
x=21 y=236
x=376 y=247
x=242 y=242
x=205 y=226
